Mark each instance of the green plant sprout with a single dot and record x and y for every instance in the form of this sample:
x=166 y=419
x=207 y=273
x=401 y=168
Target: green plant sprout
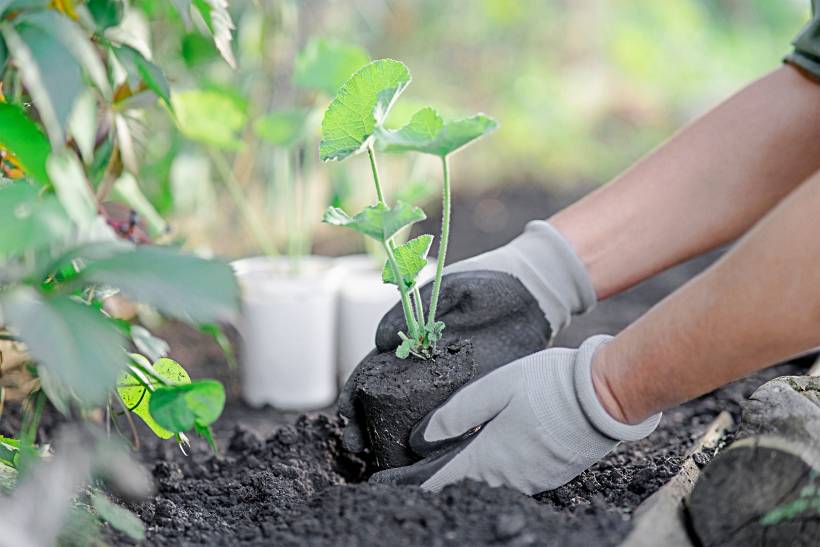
x=353 y=123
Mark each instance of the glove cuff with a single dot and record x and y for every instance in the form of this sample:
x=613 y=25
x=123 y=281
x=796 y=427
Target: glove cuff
x=595 y=412
x=552 y=271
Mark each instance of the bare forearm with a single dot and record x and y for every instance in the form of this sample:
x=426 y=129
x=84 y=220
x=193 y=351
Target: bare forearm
x=703 y=188
x=757 y=306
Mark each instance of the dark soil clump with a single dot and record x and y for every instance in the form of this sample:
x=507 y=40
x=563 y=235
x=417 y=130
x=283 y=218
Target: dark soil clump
x=395 y=394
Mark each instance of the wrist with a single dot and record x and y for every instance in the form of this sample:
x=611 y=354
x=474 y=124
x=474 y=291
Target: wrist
x=599 y=398
x=603 y=386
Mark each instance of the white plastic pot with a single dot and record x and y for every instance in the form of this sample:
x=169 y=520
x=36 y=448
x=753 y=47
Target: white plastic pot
x=363 y=301
x=288 y=332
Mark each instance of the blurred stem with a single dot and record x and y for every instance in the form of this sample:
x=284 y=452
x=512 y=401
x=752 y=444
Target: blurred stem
x=238 y=196
x=8 y=337
x=445 y=236
x=146 y=371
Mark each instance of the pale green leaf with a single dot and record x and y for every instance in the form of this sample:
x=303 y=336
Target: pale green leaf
x=324 y=65
x=377 y=221
x=403 y=349
x=30 y=221
x=281 y=128
x=23 y=138
x=216 y=16
x=210 y=116
x=136 y=395
x=82 y=125
x=178 y=284
x=75 y=40
x=427 y=133
x=127 y=190
x=75 y=342
x=153 y=347
x=118 y=517
x=360 y=106
x=411 y=258
x=52 y=76
x=141 y=69
x=73 y=190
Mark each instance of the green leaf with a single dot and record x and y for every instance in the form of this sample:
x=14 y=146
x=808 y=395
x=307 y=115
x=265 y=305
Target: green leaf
x=216 y=16
x=197 y=49
x=281 y=128
x=360 y=106
x=23 y=138
x=324 y=65
x=153 y=347
x=140 y=68
x=52 y=76
x=224 y=343
x=377 y=221
x=411 y=258
x=4 y=54
x=29 y=221
x=403 y=350
x=73 y=190
x=118 y=517
x=75 y=342
x=181 y=408
x=82 y=125
x=106 y=13
x=209 y=116
x=127 y=190
x=178 y=284
x=135 y=394
x=427 y=133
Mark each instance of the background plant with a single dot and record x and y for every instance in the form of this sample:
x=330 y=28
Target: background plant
x=75 y=78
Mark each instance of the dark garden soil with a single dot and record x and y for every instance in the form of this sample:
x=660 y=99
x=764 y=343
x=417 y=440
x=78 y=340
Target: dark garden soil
x=283 y=479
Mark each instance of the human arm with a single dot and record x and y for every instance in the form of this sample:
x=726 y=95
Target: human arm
x=704 y=187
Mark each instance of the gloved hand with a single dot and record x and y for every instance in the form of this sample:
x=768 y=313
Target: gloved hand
x=542 y=426
x=509 y=302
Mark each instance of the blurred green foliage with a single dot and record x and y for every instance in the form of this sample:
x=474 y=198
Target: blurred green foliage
x=581 y=89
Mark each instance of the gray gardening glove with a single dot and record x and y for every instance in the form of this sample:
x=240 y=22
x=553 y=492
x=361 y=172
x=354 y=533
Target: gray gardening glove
x=542 y=426
x=540 y=258
x=509 y=302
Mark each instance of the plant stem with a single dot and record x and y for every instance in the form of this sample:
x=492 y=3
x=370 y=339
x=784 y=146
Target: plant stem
x=419 y=305
x=5 y=336
x=412 y=326
x=148 y=372
x=238 y=196
x=445 y=236
x=389 y=247
x=379 y=192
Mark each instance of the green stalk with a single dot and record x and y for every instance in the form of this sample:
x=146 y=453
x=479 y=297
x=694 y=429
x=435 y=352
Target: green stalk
x=412 y=326
x=445 y=236
x=389 y=247
x=419 y=305
x=379 y=192
x=238 y=196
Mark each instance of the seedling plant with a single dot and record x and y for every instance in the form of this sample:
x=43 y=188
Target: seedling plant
x=354 y=124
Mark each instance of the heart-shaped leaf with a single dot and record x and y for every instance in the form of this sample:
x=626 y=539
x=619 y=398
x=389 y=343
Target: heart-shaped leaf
x=377 y=221
x=324 y=65
x=23 y=138
x=361 y=105
x=411 y=258
x=185 y=407
x=429 y=134
x=136 y=395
